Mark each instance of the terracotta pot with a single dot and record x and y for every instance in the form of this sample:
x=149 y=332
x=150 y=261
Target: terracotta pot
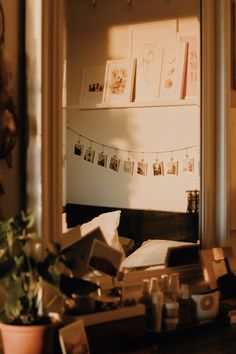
x=36 y=339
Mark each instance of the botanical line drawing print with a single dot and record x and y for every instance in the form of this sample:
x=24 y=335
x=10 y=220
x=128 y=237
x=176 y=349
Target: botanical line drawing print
x=150 y=54
x=147 y=45
x=173 y=70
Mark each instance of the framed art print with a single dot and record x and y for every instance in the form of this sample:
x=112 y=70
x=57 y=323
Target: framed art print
x=119 y=80
x=147 y=46
x=92 y=85
x=73 y=339
x=173 y=70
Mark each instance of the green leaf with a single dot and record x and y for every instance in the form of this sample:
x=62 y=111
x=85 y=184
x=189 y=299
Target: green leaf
x=20 y=305
x=12 y=305
x=23 y=221
x=47 y=275
x=5 y=227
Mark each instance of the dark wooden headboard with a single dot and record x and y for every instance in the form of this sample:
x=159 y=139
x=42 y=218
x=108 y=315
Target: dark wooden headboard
x=141 y=225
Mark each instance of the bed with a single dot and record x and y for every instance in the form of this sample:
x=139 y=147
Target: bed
x=139 y=231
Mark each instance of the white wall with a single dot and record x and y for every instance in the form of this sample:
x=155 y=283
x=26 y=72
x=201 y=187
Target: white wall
x=94 y=36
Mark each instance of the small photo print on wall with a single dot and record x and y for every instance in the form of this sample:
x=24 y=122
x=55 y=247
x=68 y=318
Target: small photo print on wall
x=129 y=167
x=172 y=168
x=89 y=155
x=102 y=159
x=114 y=163
x=73 y=339
x=79 y=149
x=142 y=168
x=158 y=168
x=188 y=165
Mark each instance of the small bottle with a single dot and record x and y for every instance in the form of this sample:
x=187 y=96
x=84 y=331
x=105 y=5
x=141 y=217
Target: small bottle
x=165 y=284
x=145 y=291
x=154 y=285
x=157 y=307
x=170 y=315
x=187 y=307
x=153 y=306
x=174 y=286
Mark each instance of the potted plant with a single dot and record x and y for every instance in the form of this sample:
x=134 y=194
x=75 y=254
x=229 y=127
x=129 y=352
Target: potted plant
x=25 y=266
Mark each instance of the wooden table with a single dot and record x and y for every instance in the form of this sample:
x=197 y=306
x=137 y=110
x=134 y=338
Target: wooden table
x=130 y=336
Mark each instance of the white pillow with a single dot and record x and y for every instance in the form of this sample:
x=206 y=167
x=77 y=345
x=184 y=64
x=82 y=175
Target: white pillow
x=108 y=223
x=151 y=252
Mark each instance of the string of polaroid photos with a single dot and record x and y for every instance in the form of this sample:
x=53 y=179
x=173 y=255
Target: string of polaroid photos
x=159 y=168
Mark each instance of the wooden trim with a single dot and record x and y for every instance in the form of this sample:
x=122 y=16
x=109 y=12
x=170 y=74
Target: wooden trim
x=52 y=50
x=214 y=194
x=208 y=162
x=223 y=81
x=215 y=114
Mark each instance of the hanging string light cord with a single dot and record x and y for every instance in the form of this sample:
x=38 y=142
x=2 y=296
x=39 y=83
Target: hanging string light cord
x=130 y=151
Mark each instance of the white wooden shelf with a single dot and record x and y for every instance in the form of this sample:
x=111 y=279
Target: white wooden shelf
x=157 y=103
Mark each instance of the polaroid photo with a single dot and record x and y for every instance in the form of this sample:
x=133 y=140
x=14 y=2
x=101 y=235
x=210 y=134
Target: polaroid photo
x=73 y=338
x=104 y=258
x=89 y=155
x=172 y=168
x=114 y=163
x=142 y=168
x=79 y=149
x=188 y=165
x=158 y=168
x=129 y=167
x=102 y=159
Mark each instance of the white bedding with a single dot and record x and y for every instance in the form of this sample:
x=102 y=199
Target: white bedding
x=151 y=252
